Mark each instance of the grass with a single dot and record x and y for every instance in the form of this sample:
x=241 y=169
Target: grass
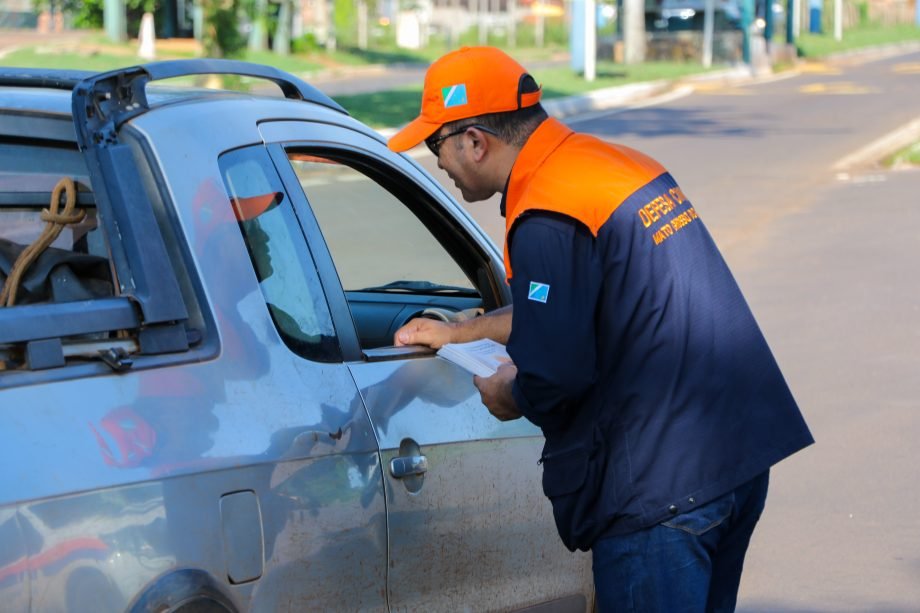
x=392 y=107
x=40 y=58
x=822 y=45
x=101 y=57
x=909 y=156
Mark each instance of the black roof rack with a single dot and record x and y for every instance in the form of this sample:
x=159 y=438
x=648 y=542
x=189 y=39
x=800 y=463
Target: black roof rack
x=43 y=77
x=102 y=102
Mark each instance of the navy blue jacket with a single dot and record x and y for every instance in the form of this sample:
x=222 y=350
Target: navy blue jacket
x=640 y=360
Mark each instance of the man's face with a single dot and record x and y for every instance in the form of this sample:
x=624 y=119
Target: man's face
x=457 y=157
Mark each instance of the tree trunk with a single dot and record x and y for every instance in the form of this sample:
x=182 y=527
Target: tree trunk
x=633 y=31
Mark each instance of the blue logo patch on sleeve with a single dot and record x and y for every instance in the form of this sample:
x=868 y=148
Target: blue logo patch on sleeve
x=454 y=95
x=538 y=292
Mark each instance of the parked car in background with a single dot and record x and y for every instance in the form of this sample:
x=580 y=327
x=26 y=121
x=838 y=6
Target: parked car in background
x=680 y=15
x=200 y=406
x=683 y=15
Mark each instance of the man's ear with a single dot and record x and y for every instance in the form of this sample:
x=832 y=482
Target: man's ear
x=479 y=143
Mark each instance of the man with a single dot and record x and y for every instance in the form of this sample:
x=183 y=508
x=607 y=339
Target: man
x=633 y=348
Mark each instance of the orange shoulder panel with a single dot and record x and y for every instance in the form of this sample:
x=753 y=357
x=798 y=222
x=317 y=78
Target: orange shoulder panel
x=573 y=174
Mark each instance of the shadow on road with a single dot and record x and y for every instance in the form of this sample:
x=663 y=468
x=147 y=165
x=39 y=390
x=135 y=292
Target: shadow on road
x=670 y=122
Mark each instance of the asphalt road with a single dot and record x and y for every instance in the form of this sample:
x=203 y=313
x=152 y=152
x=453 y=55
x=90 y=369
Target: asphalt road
x=828 y=260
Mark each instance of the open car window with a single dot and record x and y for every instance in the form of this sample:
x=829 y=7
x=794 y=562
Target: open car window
x=80 y=290
x=397 y=252
x=75 y=265
x=377 y=243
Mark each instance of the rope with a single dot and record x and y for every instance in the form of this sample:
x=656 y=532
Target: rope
x=55 y=222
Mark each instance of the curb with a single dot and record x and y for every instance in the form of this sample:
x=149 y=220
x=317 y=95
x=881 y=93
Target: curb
x=872 y=153
x=877 y=52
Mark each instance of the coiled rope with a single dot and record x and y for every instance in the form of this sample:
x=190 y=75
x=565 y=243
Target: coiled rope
x=55 y=222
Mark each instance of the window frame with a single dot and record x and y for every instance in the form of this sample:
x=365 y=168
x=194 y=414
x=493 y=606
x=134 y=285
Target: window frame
x=457 y=242
x=43 y=327
x=308 y=258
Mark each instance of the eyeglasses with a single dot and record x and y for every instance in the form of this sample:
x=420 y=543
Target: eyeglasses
x=434 y=144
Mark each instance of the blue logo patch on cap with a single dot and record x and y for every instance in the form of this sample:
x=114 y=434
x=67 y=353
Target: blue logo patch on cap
x=538 y=292
x=454 y=95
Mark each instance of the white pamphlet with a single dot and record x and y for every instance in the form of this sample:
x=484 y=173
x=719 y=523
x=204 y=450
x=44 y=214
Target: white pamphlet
x=482 y=357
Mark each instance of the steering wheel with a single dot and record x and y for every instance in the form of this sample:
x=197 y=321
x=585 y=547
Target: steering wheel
x=448 y=316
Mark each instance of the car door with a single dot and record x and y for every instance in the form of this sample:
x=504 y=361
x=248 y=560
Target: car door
x=468 y=526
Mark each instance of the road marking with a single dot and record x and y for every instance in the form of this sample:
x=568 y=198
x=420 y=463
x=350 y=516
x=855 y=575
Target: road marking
x=836 y=88
x=867 y=179
x=862 y=179
x=817 y=68
x=907 y=68
x=718 y=89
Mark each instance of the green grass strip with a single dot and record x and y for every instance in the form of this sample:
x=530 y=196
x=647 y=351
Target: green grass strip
x=822 y=45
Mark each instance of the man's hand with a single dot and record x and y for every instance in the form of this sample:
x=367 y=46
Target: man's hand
x=423 y=331
x=496 y=392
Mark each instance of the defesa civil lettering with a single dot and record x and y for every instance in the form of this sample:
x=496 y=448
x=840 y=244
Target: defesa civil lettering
x=668 y=230
x=661 y=206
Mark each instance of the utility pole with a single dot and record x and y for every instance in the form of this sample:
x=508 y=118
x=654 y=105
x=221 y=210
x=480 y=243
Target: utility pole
x=709 y=8
x=792 y=21
x=768 y=23
x=541 y=27
x=282 y=42
x=590 y=48
x=838 y=20
x=747 y=16
x=258 y=36
x=512 y=24
x=362 y=24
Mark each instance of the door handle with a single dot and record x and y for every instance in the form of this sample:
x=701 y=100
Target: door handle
x=408 y=466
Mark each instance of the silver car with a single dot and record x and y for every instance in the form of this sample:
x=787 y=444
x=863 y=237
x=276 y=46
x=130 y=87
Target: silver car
x=200 y=406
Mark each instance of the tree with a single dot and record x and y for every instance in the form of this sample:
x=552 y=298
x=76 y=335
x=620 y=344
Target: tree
x=220 y=36
x=633 y=31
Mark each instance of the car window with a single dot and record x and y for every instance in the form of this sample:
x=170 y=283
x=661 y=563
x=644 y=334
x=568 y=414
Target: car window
x=75 y=265
x=76 y=277
x=279 y=254
x=374 y=239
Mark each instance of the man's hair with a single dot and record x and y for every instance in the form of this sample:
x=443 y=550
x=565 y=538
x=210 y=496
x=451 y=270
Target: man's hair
x=512 y=127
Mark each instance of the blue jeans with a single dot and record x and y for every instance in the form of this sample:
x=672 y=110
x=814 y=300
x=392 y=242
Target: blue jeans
x=691 y=562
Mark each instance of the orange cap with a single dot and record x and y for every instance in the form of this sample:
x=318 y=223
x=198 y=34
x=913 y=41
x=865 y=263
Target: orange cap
x=468 y=82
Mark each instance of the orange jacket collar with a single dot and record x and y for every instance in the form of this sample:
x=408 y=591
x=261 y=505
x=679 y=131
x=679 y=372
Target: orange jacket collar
x=545 y=139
